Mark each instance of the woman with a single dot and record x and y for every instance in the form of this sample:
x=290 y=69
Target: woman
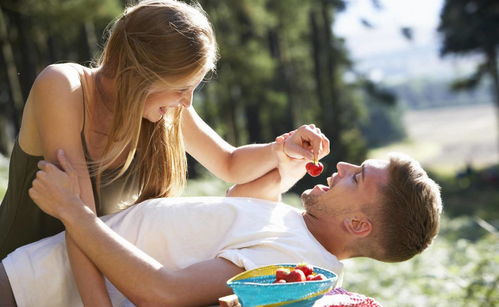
x=123 y=124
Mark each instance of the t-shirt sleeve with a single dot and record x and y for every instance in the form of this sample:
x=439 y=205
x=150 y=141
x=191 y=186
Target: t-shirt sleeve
x=238 y=258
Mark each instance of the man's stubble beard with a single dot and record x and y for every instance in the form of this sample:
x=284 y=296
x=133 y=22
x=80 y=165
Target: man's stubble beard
x=315 y=205
x=311 y=203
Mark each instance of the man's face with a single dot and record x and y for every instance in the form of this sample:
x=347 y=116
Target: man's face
x=348 y=190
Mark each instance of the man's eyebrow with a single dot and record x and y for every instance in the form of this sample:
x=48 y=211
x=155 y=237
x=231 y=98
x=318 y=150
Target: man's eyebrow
x=362 y=172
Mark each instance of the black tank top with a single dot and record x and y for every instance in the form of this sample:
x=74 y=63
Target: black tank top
x=22 y=222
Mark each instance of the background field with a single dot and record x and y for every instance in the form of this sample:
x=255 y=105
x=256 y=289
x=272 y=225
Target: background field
x=446 y=139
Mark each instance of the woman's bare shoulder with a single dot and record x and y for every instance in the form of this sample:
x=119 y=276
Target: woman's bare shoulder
x=54 y=108
x=57 y=85
x=60 y=76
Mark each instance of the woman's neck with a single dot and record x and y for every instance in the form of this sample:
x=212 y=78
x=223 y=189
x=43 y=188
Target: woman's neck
x=105 y=89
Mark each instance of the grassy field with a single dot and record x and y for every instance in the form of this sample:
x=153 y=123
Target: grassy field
x=445 y=140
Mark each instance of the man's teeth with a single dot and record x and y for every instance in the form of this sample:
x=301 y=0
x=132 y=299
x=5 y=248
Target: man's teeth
x=324 y=188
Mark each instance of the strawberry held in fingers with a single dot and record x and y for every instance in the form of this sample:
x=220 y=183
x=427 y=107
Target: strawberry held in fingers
x=314 y=169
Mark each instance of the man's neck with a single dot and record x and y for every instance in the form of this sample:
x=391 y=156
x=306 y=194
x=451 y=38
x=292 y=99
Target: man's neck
x=329 y=234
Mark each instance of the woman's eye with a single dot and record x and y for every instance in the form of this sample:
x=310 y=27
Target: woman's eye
x=355 y=178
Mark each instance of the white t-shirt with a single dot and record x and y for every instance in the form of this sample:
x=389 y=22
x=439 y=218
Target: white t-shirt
x=177 y=232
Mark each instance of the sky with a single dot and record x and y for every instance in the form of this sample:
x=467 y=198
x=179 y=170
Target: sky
x=421 y=15
x=382 y=51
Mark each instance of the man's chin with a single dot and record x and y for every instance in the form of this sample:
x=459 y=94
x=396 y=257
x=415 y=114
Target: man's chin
x=305 y=193
x=307 y=198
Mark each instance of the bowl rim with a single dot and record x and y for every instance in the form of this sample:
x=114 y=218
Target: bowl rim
x=235 y=280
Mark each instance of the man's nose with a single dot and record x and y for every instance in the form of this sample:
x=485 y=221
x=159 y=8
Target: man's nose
x=345 y=168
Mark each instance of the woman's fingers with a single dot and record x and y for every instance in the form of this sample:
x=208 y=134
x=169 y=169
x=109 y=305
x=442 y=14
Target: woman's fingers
x=299 y=152
x=307 y=142
x=63 y=160
x=325 y=146
x=315 y=139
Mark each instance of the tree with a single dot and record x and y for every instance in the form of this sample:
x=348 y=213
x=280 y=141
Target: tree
x=471 y=27
x=42 y=33
x=340 y=112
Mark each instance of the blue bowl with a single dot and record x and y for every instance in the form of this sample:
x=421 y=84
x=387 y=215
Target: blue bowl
x=257 y=288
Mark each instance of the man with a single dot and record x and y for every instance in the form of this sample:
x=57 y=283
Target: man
x=387 y=210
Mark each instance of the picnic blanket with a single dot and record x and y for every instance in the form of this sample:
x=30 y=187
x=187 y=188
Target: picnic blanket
x=340 y=297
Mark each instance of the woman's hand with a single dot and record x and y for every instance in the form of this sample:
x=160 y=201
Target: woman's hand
x=306 y=142
x=295 y=149
x=55 y=190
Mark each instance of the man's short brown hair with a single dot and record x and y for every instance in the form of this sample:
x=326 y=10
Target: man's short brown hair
x=409 y=214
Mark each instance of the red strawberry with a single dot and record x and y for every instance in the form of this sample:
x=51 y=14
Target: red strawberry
x=296 y=276
x=307 y=269
x=314 y=169
x=316 y=277
x=280 y=281
x=281 y=273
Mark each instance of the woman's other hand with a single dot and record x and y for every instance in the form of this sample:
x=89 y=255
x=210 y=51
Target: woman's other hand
x=53 y=189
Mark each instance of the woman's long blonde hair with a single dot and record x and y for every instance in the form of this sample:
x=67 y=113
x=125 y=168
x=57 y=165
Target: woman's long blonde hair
x=153 y=41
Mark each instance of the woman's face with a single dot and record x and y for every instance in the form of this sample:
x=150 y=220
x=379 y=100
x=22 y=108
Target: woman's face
x=160 y=98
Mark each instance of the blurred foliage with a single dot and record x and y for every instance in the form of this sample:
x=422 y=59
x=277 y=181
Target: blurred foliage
x=471 y=192
x=281 y=66
x=471 y=27
x=59 y=15
x=450 y=272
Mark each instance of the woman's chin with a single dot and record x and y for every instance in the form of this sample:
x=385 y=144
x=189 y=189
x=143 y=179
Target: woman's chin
x=153 y=119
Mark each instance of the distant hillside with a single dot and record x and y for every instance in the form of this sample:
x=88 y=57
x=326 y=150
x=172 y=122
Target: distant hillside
x=449 y=138
x=415 y=62
x=421 y=79
x=426 y=92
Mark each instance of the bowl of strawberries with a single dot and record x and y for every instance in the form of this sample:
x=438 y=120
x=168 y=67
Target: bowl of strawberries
x=282 y=284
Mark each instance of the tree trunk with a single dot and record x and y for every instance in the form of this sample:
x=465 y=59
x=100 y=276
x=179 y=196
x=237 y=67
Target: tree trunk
x=285 y=79
x=316 y=55
x=12 y=74
x=28 y=63
x=88 y=41
x=492 y=61
x=253 y=122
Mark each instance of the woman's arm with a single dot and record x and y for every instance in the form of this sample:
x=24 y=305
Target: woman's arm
x=272 y=185
x=245 y=163
x=138 y=276
x=53 y=119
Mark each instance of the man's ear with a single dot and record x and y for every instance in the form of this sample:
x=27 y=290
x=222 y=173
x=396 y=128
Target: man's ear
x=360 y=227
